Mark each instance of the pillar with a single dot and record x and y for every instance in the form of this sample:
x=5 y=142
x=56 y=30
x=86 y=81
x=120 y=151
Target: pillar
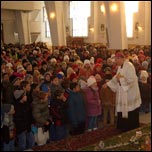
x=57 y=23
x=115 y=23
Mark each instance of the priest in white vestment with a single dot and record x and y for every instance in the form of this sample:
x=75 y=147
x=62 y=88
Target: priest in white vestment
x=128 y=99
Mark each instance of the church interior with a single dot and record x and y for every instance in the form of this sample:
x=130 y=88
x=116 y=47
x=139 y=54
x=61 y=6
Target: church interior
x=47 y=35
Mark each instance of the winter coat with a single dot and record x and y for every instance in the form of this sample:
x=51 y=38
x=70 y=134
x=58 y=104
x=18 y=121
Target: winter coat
x=145 y=92
x=59 y=112
x=76 y=108
x=93 y=103
x=22 y=116
x=40 y=111
x=108 y=97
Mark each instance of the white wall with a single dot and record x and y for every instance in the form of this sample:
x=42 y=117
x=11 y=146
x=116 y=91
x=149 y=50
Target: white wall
x=8 y=20
x=21 y=5
x=32 y=22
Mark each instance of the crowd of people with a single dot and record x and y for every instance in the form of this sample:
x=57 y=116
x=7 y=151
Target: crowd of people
x=47 y=95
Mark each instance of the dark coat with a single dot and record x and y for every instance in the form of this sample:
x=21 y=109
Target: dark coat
x=76 y=108
x=22 y=116
x=58 y=111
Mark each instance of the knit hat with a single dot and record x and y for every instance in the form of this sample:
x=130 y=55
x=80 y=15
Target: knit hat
x=91 y=80
x=66 y=57
x=72 y=76
x=97 y=65
x=13 y=78
x=18 y=94
x=92 y=60
x=82 y=83
x=99 y=60
x=60 y=75
x=86 y=62
x=47 y=73
x=119 y=55
x=27 y=76
x=144 y=63
x=143 y=73
x=107 y=69
x=9 y=65
x=53 y=60
x=20 y=68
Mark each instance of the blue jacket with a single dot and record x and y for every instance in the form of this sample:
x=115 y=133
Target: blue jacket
x=76 y=108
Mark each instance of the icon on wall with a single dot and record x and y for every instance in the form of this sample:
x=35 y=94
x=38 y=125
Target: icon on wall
x=102 y=27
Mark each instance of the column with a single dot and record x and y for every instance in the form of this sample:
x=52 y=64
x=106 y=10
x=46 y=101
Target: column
x=57 y=22
x=115 y=23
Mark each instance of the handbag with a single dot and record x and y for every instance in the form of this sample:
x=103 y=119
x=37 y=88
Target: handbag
x=41 y=136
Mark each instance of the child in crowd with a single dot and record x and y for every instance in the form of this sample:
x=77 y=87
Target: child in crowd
x=108 y=98
x=8 y=129
x=45 y=86
x=22 y=119
x=41 y=116
x=76 y=109
x=59 y=114
x=93 y=103
x=144 y=91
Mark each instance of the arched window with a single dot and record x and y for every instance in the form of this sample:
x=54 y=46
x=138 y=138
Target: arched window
x=79 y=12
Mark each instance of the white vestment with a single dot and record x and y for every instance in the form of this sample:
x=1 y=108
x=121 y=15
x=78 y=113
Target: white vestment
x=127 y=90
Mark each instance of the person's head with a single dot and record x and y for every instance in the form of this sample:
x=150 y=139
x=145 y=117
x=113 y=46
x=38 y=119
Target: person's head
x=65 y=83
x=73 y=77
x=98 y=67
x=20 y=69
x=108 y=70
x=126 y=53
x=29 y=78
x=108 y=77
x=63 y=65
x=66 y=58
x=59 y=94
x=74 y=86
x=60 y=75
x=35 y=87
x=91 y=82
x=119 y=58
x=47 y=77
x=43 y=96
x=55 y=80
x=109 y=61
x=20 y=96
x=14 y=80
x=25 y=85
x=86 y=64
x=5 y=77
x=98 y=78
x=100 y=61
x=44 y=65
x=29 y=67
x=145 y=65
x=143 y=76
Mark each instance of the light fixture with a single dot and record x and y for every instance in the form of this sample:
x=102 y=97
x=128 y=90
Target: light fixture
x=114 y=7
x=91 y=29
x=102 y=9
x=138 y=27
x=52 y=15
